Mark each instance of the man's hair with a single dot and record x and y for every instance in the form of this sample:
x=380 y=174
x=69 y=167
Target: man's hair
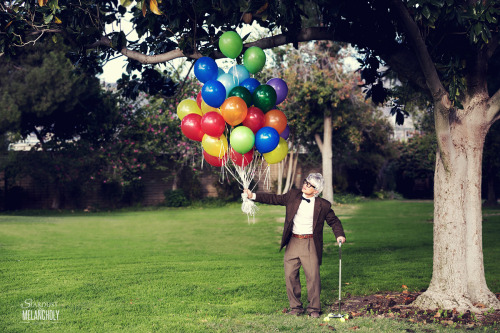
x=316 y=179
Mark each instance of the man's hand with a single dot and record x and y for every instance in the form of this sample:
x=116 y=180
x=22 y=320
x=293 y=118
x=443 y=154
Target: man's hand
x=341 y=239
x=248 y=193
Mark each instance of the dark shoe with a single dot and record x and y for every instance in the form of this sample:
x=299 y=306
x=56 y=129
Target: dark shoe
x=295 y=312
x=314 y=314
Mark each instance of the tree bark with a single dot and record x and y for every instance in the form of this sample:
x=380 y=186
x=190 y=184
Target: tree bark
x=458 y=280
x=289 y=172
x=325 y=146
x=280 y=177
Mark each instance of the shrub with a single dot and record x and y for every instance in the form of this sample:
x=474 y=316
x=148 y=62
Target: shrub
x=347 y=198
x=14 y=198
x=133 y=193
x=176 y=198
x=112 y=192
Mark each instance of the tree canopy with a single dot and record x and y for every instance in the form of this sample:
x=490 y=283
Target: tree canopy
x=41 y=93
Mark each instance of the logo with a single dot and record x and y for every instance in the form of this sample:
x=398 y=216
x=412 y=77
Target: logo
x=39 y=311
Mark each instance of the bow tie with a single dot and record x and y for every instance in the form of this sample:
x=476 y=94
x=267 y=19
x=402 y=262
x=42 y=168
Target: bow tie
x=308 y=200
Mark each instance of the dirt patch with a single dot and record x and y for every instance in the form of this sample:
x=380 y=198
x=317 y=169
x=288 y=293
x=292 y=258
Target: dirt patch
x=397 y=305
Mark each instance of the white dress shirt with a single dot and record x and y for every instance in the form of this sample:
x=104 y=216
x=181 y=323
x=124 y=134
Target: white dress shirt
x=303 y=220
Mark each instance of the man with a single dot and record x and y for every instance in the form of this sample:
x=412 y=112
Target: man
x=303 y=238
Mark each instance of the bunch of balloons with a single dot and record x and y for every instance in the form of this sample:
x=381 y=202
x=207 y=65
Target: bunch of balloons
x=234 y=115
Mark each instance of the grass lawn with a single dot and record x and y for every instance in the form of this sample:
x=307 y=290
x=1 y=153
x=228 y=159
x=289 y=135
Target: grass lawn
x=207 y=269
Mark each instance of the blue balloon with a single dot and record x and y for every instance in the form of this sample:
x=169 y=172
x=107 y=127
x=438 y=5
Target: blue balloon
x=213 y=93
x=266 y=139
x=250 y=84
x=205 y=69
x=228 y=81
x=239 y=73
x=220 y=71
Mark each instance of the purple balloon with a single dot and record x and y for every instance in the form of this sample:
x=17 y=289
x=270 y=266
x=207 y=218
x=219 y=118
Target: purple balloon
x=286 y=132
x=280 y=87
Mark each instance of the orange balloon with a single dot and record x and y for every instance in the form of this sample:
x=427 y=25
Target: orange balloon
x=234 y=110
x=275 y=119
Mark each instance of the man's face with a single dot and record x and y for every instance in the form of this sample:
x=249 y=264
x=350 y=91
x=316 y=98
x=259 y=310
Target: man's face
x=308 y=189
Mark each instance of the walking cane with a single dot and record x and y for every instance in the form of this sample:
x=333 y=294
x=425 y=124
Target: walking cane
x=339 y=315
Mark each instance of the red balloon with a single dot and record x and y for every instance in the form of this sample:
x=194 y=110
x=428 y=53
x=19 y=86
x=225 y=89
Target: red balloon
x=213 y=124
x=276 y=119
x=254 y=119
x=241 y=159
x=191 y=127
x=214 y=160
x=199 y=99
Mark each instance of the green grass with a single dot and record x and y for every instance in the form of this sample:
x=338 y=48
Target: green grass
x=206 y=269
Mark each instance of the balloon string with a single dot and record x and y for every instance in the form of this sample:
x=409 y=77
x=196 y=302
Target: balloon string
x=255 y=170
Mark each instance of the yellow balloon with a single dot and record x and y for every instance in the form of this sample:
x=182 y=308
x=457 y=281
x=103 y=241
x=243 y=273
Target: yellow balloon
x=215 y=146
x=186 y=107
x=278 y=154
x=207 y=108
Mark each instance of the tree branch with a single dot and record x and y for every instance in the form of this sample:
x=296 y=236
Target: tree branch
x=438 y=92
x=442 y=102
x=319 y=142
x=315 y=33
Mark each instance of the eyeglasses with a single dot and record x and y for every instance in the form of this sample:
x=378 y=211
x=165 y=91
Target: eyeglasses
x=309 y=185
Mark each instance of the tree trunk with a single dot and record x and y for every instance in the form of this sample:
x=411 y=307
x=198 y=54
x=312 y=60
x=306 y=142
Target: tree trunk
x=458 y=280
x=280 y=166
x=289 y=172
x=327 y=157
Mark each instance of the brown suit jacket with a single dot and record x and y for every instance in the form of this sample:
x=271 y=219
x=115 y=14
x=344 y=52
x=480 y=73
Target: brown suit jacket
x=322 y=212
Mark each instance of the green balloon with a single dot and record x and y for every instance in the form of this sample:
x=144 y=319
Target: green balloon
x=264 y=97
x=243 y=93
x=254 y=59
x=230 y=44
x=242 y=139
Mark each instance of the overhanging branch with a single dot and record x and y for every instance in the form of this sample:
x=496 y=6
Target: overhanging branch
x=440 y=96
x=315 y=33
x=426 y=64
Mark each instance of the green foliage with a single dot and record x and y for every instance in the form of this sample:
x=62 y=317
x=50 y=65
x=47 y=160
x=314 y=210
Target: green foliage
x=42 y=93
x=319 y=86
x=453 y=30
x=414 y=169
x=176 y=198
x=112 y=192
x=348 y=198
x=133 y=193
x=190 y=183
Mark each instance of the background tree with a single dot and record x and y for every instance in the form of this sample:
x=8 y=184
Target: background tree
x=442 y=48
x=326 y=112
x=414 y=167
x=42 y=94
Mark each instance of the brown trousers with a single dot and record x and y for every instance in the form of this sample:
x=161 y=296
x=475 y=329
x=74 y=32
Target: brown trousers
x=301 y=252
